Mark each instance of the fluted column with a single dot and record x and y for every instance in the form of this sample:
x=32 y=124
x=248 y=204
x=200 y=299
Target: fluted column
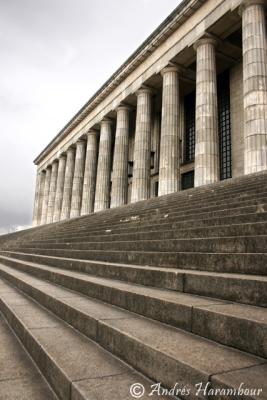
x=52 y=192
x=89 y=181
x=102 y=194
x=46 y=195
x=68 y=180
x=38 y=198
x=142 y=147
x=120 y=162
x=207 y=137
x=77 y=186
x=169 y=140
x=60 y=187
x=254 y=85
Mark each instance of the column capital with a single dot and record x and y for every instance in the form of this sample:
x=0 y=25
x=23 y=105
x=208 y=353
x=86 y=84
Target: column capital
x=124 y=106
x=71 y=149
x=80 y=142
x=205 y=39
x=144 y=89
x=92 y=132
x=171 y=68
x=106 y=121
x=247 y=3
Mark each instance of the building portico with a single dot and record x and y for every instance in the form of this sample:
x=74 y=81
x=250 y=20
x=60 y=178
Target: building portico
x=185 y=116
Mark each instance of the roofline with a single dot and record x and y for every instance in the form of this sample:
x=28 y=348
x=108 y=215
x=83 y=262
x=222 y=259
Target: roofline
x=175 y=16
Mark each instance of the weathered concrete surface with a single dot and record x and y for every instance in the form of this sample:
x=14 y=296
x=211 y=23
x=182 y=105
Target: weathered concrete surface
x=102 y=195
x=89 y=182
x=142 y=146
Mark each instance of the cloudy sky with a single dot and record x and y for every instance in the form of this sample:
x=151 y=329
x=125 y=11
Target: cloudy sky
x=54 y=55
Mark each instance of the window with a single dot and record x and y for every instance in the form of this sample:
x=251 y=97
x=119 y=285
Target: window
x=190 y=126
x=188 y=180
x=152 y=160
x=130 y=169
x=224 y=124
x=156 y=188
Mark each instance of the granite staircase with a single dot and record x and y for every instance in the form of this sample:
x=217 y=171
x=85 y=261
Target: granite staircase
x=170 y=290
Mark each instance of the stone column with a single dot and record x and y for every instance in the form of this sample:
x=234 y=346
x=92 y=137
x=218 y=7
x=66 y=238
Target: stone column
x=68 y=180
x=52 y=192
x=60 y=187
x=169 y=140
x=120 y=162
x=254 y=85
x=38 y=198
x=142 y=146
x=207 y=137
x=89 y=180
x=46 y=195
x=77 y=186
x=102 y=194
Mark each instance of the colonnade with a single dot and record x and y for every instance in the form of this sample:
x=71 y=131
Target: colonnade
x=79 y=181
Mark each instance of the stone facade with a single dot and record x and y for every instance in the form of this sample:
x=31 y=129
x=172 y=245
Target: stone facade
x=188 y=108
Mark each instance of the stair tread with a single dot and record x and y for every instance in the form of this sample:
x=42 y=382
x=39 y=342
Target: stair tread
x=209 y=357
x=251 y=277
x=18 y=374
x=187 y=300
x=77 y=356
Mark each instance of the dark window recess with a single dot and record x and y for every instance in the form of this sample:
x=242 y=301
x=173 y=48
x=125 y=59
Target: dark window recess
x=152 y=160
x=156 y=188
x=130 y=169
x=224 y=123
x=190 y=126
x=188 y=180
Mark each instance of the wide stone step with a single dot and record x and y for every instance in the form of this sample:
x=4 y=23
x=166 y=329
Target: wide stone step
x=160 y=213
x=247 y=289
x=75 y=366
x=126 y=210
x=159 y=227
x=19 y=377
x=245 y=185
x=200 y=315
x=246 y=263
x=161 y=352
x=246 y=244
x=192 y=220
x=247 y=229
x=257 y=205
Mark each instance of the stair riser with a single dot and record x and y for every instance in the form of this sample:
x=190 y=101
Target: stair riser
x=158 y=366
x=201 y=322
x=235 y=263
x=174 y=212
x=163 y=311
x=253 y=292
x=53 y=374
x=167 y=223
x=245 y=291
x=214 y=223
x=236 y=332
x=155 y=278
x=238 y=230
x=169 y=204
x=215 y=245
x=172 y=218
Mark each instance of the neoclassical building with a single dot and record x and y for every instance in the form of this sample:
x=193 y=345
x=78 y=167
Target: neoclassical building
x=188 y=108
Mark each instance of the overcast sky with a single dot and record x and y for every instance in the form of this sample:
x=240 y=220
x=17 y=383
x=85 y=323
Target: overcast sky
x=54 y=55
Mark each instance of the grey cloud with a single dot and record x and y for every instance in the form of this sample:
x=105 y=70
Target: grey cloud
x=54 y=55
